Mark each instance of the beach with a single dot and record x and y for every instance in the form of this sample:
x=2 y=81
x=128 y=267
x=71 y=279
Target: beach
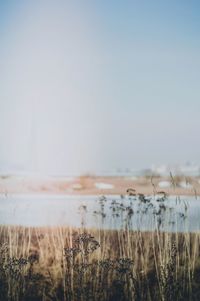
x=99 y=185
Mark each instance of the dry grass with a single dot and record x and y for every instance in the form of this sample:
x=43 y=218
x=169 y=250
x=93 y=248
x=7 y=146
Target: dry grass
x=72 y=264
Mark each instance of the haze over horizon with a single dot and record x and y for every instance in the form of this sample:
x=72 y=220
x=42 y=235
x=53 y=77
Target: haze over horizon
x=99 y=85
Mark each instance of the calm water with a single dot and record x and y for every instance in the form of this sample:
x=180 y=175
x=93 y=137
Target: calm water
x=112 y=212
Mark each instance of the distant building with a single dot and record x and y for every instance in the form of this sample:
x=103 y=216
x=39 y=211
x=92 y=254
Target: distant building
x=188 y=169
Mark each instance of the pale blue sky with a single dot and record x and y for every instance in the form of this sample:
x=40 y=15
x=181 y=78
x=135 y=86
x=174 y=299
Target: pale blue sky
x=90 y=86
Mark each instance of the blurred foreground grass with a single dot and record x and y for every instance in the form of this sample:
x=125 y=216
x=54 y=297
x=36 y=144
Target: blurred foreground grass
x=64 y=263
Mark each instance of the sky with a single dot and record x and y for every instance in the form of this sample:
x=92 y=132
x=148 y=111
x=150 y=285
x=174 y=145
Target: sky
x=91 y=86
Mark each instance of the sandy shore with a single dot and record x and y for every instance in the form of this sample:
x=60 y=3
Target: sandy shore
x=95 y=185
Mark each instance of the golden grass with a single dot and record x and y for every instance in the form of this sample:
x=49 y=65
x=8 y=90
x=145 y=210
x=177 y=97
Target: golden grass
x=61 y=263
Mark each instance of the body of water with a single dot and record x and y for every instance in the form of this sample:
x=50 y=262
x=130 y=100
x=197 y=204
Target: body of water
x=110 y=212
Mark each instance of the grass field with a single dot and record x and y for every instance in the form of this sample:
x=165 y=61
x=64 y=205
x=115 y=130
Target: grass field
x=73 y=264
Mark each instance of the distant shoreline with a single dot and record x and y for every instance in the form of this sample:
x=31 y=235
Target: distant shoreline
x=99 y=185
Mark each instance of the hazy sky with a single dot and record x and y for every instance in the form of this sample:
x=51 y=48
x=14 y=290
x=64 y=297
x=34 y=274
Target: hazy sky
x=94 y=85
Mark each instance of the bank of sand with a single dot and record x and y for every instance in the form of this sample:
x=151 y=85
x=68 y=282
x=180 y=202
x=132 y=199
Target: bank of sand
x=95 y=185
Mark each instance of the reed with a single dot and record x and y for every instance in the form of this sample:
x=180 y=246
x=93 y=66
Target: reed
x=72 y=264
